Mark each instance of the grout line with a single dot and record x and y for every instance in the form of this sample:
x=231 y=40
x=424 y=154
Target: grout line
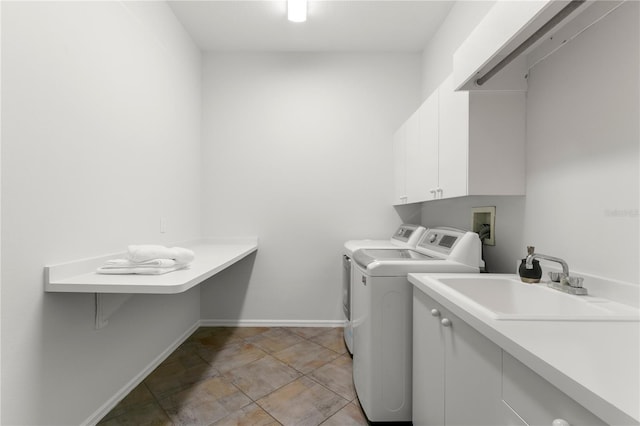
x=330 y=390
x=156 y=401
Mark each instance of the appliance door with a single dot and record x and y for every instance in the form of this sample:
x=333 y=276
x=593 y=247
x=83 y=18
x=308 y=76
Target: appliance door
x=364 y=346
x=365 y=257
x=346 y=286
x=382 y=345
x=346 y=302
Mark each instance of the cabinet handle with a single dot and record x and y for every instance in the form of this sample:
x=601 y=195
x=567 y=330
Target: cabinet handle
x=439 y=191
x=435 y=312
x=560 y=422
x=446 y=322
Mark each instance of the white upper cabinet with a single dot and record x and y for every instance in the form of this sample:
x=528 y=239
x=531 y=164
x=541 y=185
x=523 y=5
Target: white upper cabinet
x=482 y=142
x=505 y=28
x=415 y=147
x=422 y=151
x=400 y=165
x=453 y=142
x=460 y=143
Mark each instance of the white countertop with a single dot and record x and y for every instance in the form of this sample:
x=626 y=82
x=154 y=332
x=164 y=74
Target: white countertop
x=597 y=363
x=211 y=256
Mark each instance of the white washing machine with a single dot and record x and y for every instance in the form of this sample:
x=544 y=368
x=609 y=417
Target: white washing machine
x=407 y=235
x=382 y=315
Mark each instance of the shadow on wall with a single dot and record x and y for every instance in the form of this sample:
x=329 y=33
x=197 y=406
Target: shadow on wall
x=223 y=295
x=410 y=213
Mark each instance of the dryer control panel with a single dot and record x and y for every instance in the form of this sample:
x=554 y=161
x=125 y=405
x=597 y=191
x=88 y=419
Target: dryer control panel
x=441 y=239
x=455 y=244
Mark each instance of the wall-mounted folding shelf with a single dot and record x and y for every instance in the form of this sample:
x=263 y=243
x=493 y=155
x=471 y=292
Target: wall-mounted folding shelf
x=212 y=256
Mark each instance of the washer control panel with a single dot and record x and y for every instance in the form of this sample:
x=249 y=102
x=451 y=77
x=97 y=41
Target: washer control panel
x=409 y=234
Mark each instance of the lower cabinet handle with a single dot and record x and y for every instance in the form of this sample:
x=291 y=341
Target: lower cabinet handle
x=560 y=422
x=435 y=312
x=446 y=322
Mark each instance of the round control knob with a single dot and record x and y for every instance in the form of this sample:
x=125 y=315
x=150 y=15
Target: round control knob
x=433 y=237
x=560 y=422
x=446 y=322
x=435 y=312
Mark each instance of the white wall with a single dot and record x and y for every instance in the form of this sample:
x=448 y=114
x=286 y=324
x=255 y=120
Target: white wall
x=582 y=150
x=100 y=138
x=437 y=56
x=297 y=151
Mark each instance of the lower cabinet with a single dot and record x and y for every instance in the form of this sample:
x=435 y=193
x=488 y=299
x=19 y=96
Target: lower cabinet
x=462 y=378
x=456 y=371
x=538 y=402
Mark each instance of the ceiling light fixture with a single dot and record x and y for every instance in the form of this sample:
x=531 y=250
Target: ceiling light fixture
x=297 y=10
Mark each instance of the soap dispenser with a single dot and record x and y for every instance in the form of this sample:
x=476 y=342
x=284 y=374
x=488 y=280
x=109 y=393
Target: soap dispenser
x=533 y=273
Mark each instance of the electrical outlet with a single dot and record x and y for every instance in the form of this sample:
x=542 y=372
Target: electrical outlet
x=483 y=221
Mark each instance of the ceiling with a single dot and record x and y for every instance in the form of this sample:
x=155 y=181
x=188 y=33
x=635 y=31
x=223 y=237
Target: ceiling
x=331 y=26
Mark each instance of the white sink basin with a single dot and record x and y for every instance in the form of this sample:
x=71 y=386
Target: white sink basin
x=510 y=299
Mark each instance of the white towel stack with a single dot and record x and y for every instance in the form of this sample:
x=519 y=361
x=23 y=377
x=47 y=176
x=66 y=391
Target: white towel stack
x=149 y=260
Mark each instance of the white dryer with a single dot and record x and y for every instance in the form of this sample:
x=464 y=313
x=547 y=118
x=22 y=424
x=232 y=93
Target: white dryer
x=382 y=315
x=407 y=235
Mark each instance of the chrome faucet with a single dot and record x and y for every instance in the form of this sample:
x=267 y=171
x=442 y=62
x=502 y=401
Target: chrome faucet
x=559 y=281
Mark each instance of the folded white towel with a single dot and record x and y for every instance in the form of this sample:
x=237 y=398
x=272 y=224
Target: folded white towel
x=139 y=271
x=153 y=263
x=183 y=255
x=142 y=253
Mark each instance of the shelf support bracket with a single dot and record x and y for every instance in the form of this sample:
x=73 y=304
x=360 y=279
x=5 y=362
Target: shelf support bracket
x=100 y=321
x=106 y=304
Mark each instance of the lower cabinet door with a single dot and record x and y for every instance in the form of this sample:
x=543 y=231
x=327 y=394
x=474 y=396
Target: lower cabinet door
x=537 y=401
x=457 y=377
x=428 y=361
x=473 y=370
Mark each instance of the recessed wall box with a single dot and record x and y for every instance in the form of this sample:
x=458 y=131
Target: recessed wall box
x=483 y=221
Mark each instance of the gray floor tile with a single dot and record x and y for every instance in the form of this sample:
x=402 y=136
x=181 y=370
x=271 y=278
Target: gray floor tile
x=302 y=403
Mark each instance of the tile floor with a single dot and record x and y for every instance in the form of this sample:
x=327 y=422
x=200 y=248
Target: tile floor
x=248 y=376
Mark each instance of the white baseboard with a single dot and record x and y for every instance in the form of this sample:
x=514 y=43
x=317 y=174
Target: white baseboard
x=114 y=400
x=270 y=323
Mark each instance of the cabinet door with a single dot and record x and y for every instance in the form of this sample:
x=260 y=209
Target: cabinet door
x=412 y=143
x=537 y=401
x=473 y=390
x=428 y=362
x=422 y=151
x=399 y=165
x=454 y=140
